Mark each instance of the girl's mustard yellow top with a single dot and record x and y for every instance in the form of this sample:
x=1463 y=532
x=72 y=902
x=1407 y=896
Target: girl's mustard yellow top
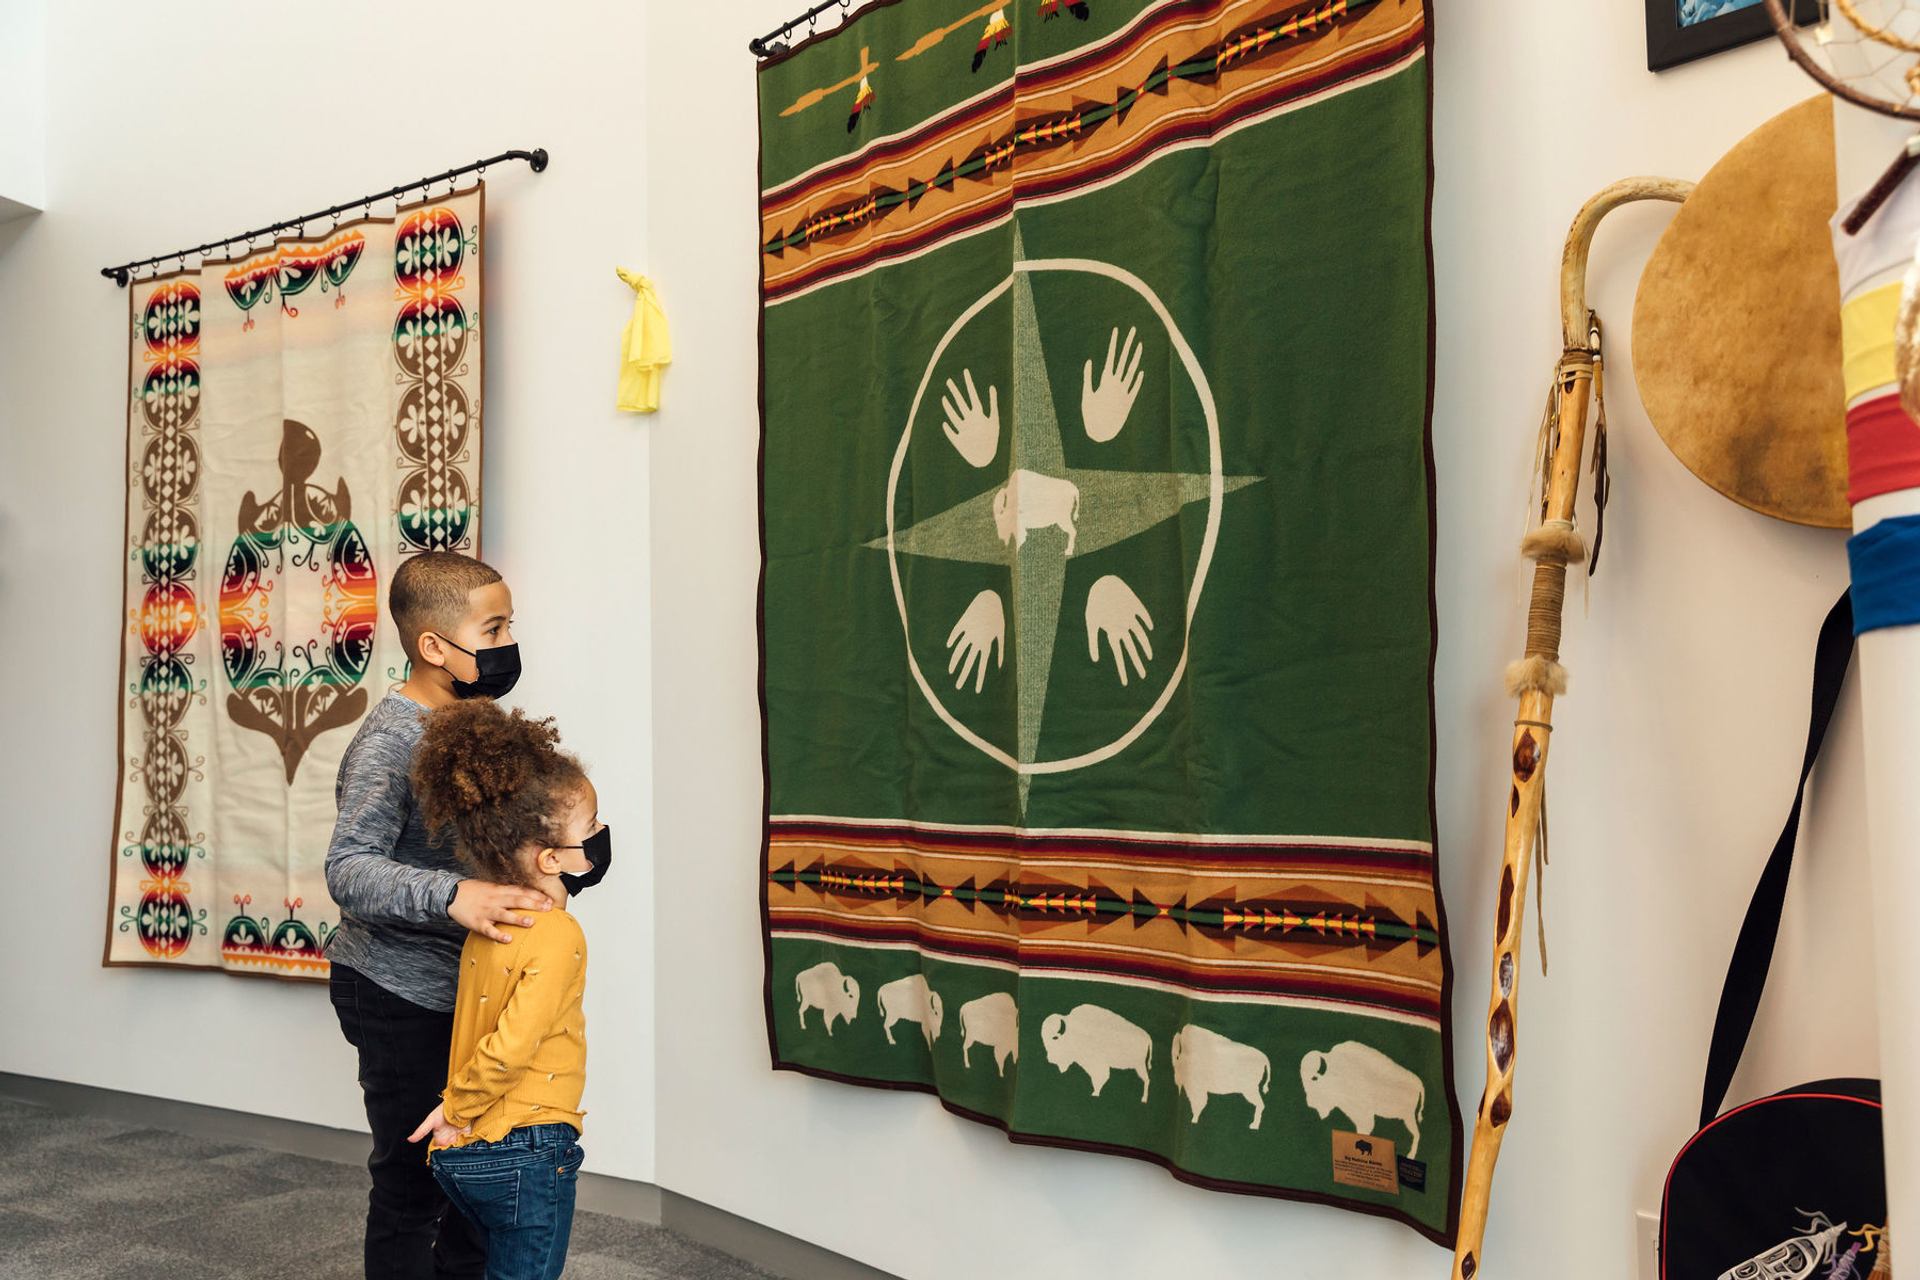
x=519 y=1054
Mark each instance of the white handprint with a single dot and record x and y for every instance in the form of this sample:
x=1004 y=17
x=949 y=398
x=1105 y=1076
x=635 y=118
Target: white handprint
x=974 y=430
x=982 y=629
x=1114 y=610
x=1105 y=409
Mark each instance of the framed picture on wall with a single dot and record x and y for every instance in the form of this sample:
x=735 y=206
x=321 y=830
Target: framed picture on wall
x=1681 y=30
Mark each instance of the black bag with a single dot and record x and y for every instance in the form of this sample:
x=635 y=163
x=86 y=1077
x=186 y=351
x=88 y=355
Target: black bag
x=1791 y=1185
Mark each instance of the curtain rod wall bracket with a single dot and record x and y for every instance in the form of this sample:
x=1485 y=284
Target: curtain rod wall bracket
x=774 y=42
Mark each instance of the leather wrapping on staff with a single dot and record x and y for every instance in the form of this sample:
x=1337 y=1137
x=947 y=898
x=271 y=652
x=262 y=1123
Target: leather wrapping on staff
x=1544 y=610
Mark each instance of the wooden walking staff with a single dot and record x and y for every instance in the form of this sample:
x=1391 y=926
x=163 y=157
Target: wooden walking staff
x=1537 y=678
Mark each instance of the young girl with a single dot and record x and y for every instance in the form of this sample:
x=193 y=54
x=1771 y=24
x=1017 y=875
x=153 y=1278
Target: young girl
x=505 y=1139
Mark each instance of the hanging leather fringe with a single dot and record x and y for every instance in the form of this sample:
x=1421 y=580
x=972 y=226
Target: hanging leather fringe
x=1540 y=882
x=1602 y=477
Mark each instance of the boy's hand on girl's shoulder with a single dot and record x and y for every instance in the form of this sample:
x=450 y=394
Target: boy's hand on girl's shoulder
x=482 y=907
x=436 y=1125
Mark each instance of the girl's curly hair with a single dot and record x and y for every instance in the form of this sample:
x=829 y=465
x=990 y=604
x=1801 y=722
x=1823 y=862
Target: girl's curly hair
x=498 y=778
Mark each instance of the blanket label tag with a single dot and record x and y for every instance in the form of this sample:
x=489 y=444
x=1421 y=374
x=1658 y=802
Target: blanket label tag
x=1365 y=1162
x=1413 y=1174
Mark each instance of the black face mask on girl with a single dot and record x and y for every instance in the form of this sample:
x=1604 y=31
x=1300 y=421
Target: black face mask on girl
x=498 y=670
x=599 y=850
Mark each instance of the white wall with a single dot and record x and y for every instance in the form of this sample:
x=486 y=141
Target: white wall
x=1670 y=776
x=23 y=118
x=167 y=124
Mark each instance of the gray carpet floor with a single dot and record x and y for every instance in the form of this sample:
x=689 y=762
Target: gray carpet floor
x=88 y=1198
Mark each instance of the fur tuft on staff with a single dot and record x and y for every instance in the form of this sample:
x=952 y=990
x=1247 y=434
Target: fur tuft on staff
x=1538 y=678
x=1535 y=675
x=1555 y=542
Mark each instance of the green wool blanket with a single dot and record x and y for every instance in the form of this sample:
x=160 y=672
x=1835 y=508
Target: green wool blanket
x=1097 y=621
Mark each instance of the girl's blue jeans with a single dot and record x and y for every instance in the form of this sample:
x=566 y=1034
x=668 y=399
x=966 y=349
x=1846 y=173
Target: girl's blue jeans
x=519 y=1193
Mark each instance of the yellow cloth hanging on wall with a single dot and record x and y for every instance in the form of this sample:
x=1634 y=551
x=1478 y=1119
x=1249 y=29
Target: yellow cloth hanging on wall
x=645 y=348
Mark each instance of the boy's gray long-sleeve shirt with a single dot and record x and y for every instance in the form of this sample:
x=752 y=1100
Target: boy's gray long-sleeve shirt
x=393 y=885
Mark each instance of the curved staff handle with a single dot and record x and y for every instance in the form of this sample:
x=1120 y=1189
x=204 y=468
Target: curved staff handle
x=1536 y=680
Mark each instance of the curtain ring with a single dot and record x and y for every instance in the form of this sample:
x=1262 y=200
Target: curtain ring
x=813 y=21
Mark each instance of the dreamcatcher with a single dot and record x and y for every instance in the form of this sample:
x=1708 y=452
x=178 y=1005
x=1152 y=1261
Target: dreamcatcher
x=1866 y=51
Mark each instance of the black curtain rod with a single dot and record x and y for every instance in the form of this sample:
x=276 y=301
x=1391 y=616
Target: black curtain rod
x=771 y=43
x=536 y=159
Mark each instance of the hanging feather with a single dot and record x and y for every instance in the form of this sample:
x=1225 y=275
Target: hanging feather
x=862 y=99
x=1906 y=337
x=997 y=32
x=1545 y=445
x=1602 y=477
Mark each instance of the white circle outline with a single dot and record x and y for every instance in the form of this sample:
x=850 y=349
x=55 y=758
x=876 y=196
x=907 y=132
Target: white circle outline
x=1215 y=491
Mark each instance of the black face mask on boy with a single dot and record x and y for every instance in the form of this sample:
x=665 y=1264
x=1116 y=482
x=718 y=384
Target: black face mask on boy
x=599 y=850
x=497 y=671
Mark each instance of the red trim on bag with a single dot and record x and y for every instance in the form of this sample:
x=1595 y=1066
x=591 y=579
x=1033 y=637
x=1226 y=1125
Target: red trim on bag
x=1667 y=1187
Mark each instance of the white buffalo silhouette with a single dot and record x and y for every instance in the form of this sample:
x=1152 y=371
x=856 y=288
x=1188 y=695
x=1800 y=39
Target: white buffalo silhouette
x=825 y=988
x=1206 y=1063
x=993 y=1021
x=1367 y=1085
x=1032 y=501
x=1099 y=1042
x=910 y=999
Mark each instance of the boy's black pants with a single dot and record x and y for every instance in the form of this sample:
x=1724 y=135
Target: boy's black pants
x=413 y=1233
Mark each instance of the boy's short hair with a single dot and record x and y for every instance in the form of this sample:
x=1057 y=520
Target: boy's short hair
x=429 y=593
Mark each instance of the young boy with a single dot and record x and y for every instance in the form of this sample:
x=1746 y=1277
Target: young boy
x=406 y=907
